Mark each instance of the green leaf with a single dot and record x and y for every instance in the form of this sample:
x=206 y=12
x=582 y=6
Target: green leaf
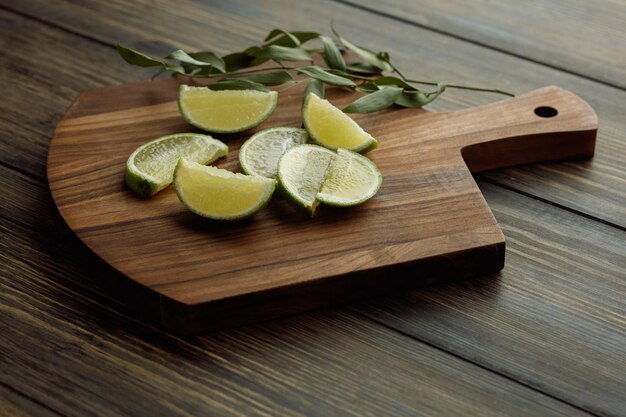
x=237 y=61
x=326 y=77
x=316 y=87
x=279 y=53
x=418 y=98
x=387 y=81
x=290 y=39
x=237 y=84
x=137 y=58
x=282 y=38
x=159 y=72
x=177 y=69
x=199 y=59
x=255 y=60
x=196 y=71
x=209 y=58
x=182 y=56
x=273 y=33
x=368 y=87
x=393 y=81
x=362 y=68
x=268 y=78
x=340 y=73
x=376 y=101
x=332 y=55
x=305 y=36
x=367 y=55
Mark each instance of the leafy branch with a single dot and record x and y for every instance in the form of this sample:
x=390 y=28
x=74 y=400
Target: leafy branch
x=370 y=73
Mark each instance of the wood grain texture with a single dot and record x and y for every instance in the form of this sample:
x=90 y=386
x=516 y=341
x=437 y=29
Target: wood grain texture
x=64 y=287
x=27 y=129
x=594 y=46
x=14 y=404
x=554 y=318
x=595 y=188
x=57 y=328
x=56 y=306
x=428 y=223
x=243 y=374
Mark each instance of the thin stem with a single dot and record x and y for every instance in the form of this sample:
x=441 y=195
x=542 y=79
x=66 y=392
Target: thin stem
x=463 y=87
x=261 y=70
x=397 y=71
x=486 y=90
x=279 y=63
x=224 y=74
x=420 y=82
x=459 y=87
x=362 y=77
x=352 y=76
x=292 y=84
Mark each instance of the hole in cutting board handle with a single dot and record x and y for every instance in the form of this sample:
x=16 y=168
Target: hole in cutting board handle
x=546 y=111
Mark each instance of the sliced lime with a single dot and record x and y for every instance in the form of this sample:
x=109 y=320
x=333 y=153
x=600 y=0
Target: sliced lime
x=332 y=128
x=259 y=155
x=219 y=194
x=301 y=172
x=150 y=167
x=311 y=174
x=225 y=111
x=351 y=180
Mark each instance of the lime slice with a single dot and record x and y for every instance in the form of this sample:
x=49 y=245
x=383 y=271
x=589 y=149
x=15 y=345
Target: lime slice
x=301 y=172
x=219 y=194
x=150 y=167
x=351 y=180
x=332 y=128
x=259 y=155
x=225 y=111
x=310 y=174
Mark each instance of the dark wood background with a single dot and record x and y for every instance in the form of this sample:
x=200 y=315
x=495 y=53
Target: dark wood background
x=546 y=336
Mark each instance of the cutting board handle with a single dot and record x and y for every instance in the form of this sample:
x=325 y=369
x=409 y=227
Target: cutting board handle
x=543 y=125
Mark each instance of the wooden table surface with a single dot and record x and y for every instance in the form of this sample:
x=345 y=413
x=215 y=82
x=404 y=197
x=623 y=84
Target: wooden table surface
x=546 y=336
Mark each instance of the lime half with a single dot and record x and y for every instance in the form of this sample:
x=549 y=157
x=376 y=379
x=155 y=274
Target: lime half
x=150 y=167
x=225 y=111
x=220 y=194
x=259 y=155
x=301 y=172
x=311 y=174
x=351 y=179
x=332 y=128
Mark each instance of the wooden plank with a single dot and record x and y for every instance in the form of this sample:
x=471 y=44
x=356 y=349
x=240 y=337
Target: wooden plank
x=14 y=404
x=259 y=267
x=578 y=36
x=552 y=319
x=54 y=274
x=59 y=268
x=64 y=70
x=595 y=188
x=78 y=352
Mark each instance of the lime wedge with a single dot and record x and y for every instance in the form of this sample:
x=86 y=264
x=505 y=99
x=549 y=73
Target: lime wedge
x=225 y=111
x=301 y=172
x=259 y=155
x=351 y=180
x=150 y=167
x=219 y=194
x=310 y=174
x=332 y=128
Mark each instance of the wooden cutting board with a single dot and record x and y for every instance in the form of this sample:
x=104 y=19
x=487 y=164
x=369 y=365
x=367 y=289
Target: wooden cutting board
x=429 y=222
